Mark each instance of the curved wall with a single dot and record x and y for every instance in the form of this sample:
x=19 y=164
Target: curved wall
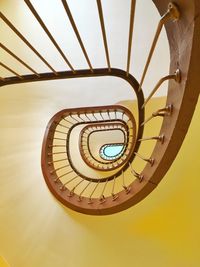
x=35 y=230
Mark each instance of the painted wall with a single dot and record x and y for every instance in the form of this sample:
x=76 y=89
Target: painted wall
x=35 y=230
x=3 y=263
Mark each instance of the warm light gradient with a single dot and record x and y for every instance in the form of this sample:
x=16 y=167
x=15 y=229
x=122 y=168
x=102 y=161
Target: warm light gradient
x=35 y=230
x=3 y=263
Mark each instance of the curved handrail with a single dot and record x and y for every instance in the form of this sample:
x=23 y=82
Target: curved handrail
x=64 y=113
x=94 y=131
x=182 y=96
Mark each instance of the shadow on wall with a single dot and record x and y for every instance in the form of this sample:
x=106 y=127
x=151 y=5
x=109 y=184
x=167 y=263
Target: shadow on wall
x=35 y=230
x=3 y=262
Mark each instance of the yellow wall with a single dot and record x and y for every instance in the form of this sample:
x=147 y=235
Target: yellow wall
x=3 y=263
x=36 y=231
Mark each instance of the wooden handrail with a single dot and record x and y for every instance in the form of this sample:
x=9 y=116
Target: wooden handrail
x=174 y=127
x=82 y=150
x=125 y=165
x=65 y=113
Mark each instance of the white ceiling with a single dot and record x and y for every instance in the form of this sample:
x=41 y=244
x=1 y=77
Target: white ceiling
x=97 y=91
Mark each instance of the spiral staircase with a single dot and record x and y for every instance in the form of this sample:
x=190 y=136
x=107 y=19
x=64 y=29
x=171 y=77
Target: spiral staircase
x=75 y=165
